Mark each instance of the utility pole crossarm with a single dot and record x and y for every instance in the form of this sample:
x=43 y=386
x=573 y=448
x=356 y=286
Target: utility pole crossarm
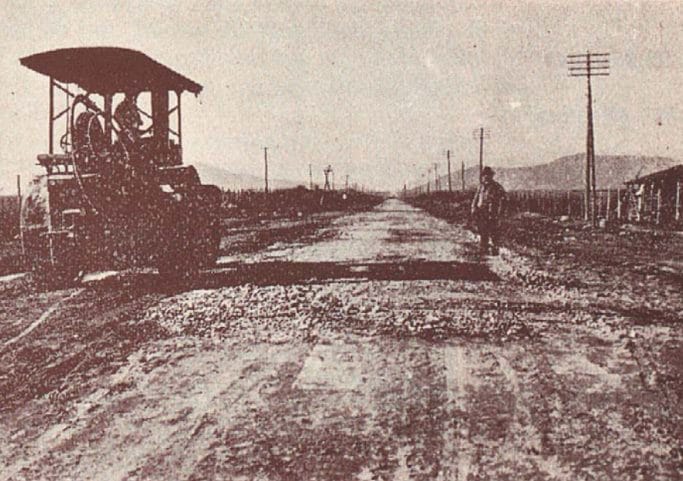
x=589 y=69
x=591 y=74
x=596 y=61
x=586 y=73
x=588 y=54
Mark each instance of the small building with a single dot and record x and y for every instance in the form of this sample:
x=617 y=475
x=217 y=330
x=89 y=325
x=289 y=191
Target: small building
x=656 y=198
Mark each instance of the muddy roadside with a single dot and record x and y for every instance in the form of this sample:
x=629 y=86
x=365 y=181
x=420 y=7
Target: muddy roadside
x=241 y=236
x=629 y=277
x=634 y=270
x=238 y=235
x=55 y=343
x=65 y=346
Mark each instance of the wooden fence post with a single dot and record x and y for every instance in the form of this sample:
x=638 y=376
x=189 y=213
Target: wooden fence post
x=21 y=230
x=618 y=203
x=678 y=201
x=659 y=205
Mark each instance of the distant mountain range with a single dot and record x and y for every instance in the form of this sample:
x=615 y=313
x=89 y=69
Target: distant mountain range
x=563 y=173
x=210 y=174
x=567 y=172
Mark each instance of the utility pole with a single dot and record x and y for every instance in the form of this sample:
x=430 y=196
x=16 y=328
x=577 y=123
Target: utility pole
x=589 y=65
x=265 y=159
x=437 y=184
x=448 y=157
x=678 y=201
x=21 y=230
x=429 y=174
x=481 y=150
x=310 y=177
x=462 y=174
x=480 y=134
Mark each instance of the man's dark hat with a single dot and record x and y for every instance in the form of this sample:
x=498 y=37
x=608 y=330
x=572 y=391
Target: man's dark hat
x=487 y=171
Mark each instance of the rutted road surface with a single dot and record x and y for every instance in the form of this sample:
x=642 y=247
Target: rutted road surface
x=387 y=349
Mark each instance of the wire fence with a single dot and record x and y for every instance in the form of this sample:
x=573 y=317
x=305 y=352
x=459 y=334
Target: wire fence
x=613 y=205
x=456 y=183
x=610 y=203
x=555 y=203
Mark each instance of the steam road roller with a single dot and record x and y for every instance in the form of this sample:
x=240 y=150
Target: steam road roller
x=115 y=192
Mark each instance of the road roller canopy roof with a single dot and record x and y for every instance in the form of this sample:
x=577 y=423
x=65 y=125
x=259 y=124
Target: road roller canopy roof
x=109 y=70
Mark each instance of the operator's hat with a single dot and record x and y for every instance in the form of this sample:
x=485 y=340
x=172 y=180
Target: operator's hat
x=487 y=171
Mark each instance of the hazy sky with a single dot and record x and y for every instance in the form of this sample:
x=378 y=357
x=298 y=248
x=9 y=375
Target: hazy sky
x=379 y=90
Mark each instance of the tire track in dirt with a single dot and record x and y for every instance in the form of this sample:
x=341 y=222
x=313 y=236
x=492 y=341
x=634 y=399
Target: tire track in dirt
x=153 y=419
x=578 y=391
x=306 y=426
x=422 y=411
x=484 y=409
x=459 y=363
x=511 y=401
x=13 y=277
x=21 y=305
x=43 y=317
x=524 y=441
x=181 y=454
x=358 y=407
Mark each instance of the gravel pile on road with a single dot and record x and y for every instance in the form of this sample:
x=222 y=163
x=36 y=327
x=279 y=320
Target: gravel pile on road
x=303 y=312
x=512 y=267
x=516 y=269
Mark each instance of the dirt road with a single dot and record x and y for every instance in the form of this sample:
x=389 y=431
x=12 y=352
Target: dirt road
x=386 y=349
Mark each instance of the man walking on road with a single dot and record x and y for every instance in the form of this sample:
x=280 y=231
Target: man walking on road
x=487 y=208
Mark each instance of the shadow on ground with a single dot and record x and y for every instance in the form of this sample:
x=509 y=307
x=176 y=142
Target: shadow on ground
x=287 y=273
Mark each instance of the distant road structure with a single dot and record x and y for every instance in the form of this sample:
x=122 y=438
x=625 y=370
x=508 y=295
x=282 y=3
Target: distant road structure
x=328 y=173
